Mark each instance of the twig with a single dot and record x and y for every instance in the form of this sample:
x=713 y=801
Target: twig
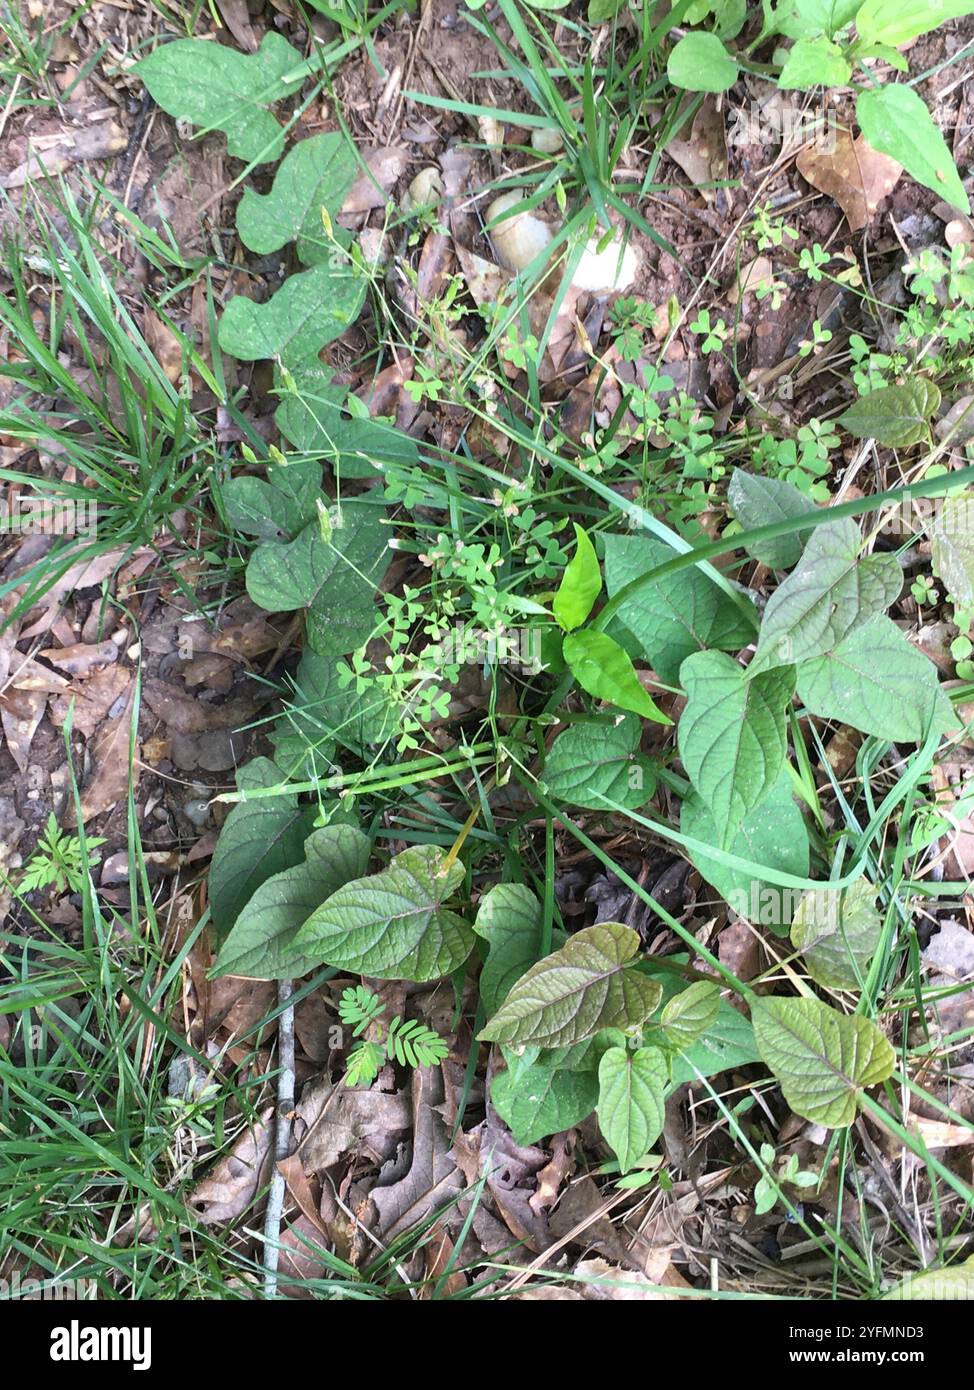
x=282 y=1137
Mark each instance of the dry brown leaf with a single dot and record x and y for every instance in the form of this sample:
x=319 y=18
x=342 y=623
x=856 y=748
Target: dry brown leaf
x=164 y=345
x=346 y=1119
x=52 y=155
x=99 y=698
x=702 y=154
x=81 y=657
x=432 y=1179
x=852 y=173
x=235 y=1181
x=21 y=712
x=941 y=1134
x=109 y=751
x=236 y=16
x=370 y=190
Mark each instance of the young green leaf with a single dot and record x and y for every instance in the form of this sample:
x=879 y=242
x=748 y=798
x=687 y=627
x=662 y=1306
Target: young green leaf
x=307 y=312
x=896 y=416
x=837 y=932
x=317 y=173
x=541 y=1101
x=312 y=417
x=591 y=761
x=259 y=839
x=261 y=943
x=393 y=925
x=602 y=668
x=277 y=508
x=732 y=734
x=631 y=1101
x=808 y=18
x=580 y=585
x=510 y=919
x=877 y=681
x=570 y=995
x=699 y=62
x=829 y=594
x=814 y=63
x=690 y=1014
x=675 y=616
x=896 y=122
x=952 y=546
x=898 y=21
x=216 y=88
x=758 y=501
x=773 y=836
x=822 y=1058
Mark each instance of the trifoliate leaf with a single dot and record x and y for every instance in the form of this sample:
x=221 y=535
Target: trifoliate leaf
x=675 y=616
x=393 y=924
x=310 y=310
x=540 y=1101
x=510 y=918
x=317 y=173
x=589 y=761
x=732 y=735
x=690 y=1014
x=829 y=594
x=896 y=416
x=877 y=681
x=758 y=501
x=261 y=944
x=580 y=585
x=217 y=88
x=837 y=932
x=631 y=1106
x=602 y=668
x=571 y=994
x=823 y=1059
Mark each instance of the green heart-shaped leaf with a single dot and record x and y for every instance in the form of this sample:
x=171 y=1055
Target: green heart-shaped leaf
x=589 y=761
x=896 y=416
x=310 y=310
x=760 y=501
x=539 y=1101
x=511 y=920
x=690 y=1014
x=631 y=1106
x=837 y=932
x=317 y=173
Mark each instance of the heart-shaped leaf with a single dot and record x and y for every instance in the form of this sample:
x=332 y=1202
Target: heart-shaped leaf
x=589 y=761
x=877 y=681
x=312 y=417
x=216 y=88
x=814 y=63
x=732 y=734
x=895 y=121
x=308 y=311
x=690 y=1014
x=570 y=995
x=277 y=508
x=602 y=668
x=511 y=920
x=631 y=1106
x=539 y=1100
x=830 y=592
x=261 y=944
x=759 y=502
x=393 y=925
x=952 y=546
x=315 y=174
x=896 y=416
x=822 y=1058
x=837 y=932
x=580 y=585
x=701 y=63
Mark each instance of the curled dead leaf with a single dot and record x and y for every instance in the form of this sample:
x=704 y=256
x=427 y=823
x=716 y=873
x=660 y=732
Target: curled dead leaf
x=852 y=173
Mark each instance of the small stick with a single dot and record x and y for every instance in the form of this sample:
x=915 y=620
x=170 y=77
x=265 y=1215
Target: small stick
x=282 y=1137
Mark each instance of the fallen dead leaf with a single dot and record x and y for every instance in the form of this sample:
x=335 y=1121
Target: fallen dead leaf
x=235 y=1181
x=21 y=712
x=852 y=173
x=81 y=657
x=53 y=154
x=702 y=153
x=432 y=1179
x=370 y=190
x=109 y=750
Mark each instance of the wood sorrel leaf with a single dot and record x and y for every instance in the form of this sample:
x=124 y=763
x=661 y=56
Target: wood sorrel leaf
x=261 y=943
x=732 y=734
x=829 y=594
x=837 y=932
x=308 y=311
x=760 y=501
x=393 y=924
x=822 y=1058
x=580 y=585
x=602 y=668
x=317 y=173
x=690 y=1014
x=510 y=919
x=215 y=87
x=631 y=1106
x=587 y=985
x=595 y=760
x=877 y=681
x=895 y=121
x=676 y=616
x=893 y=415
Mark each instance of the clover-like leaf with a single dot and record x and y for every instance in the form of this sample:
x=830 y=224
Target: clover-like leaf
x=877 y=681
x=732 y=734
x=393 y=925
x=217 y=88
x=631 y=1106
x=822 y=1058
x=510 y=919
x=580 y=585
x=831 y=592
x=675 y=616
x=541 y=1100
x=308 y=311
x=758 y=501
x=317 y=173
x=602 y=668
x=261 y=943
x=690 y=1014
x=837 y=932
x=896 y=416
x=570 y=995
x=592 y=760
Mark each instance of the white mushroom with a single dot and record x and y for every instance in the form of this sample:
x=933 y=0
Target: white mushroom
x=606 y=271
x=426 y=190
x=518 y=239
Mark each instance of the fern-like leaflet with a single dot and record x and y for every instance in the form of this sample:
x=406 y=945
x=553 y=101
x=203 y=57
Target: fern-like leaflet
x=412 y=1045
x=407 y=1042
